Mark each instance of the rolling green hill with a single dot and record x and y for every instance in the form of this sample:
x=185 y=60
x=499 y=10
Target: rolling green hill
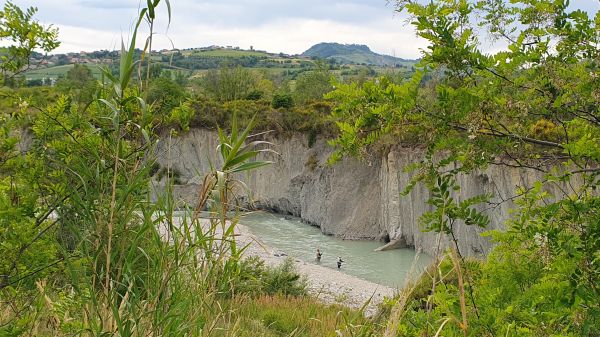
x=58 y=71
x=196 y=61
x=227 y=53
x=354 y=54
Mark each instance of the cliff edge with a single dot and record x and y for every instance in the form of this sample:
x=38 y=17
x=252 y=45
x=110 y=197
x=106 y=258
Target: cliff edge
x=352 y=199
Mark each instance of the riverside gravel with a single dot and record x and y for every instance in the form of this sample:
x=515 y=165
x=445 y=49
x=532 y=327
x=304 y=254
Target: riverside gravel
x=328 y=285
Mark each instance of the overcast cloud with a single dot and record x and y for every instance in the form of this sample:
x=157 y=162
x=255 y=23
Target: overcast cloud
x=289 y=26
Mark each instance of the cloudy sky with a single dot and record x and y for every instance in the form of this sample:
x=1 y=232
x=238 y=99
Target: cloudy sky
x=289 y=26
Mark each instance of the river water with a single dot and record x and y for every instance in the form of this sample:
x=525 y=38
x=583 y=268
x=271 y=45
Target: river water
x=299 y=240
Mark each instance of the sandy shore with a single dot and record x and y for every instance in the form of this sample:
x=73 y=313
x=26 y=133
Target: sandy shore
x=327 y=284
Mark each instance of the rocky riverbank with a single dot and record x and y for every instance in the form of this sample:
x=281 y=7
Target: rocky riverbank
x=326 y=284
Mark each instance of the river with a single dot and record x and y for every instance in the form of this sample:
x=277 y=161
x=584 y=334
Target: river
x=299 y=240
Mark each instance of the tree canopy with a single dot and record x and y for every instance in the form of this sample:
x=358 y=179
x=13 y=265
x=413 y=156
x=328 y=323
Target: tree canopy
x=533 y=105
x=24 y=35
x=537 y=97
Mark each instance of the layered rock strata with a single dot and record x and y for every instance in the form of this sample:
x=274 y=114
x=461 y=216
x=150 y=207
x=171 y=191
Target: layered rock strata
x=353 y=199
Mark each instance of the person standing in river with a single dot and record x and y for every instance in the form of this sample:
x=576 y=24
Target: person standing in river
x=319 y=254
x=339 y=262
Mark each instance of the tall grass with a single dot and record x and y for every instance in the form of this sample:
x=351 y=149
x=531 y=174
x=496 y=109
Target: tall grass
x=128 y=265
x=286 y=316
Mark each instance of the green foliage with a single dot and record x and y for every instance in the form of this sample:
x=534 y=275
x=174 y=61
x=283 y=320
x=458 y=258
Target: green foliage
x=165 y=95
x=532 y=106
x=311 y=119
x=258 y=279
x=80 y=83
x=282 y=100
x=85 y=251
x=254 y=95
x=552 y=251
x=80 y=74
x=25 y=101
x=24 y=35
x=236 y=153
x=275 y=316
x=22 y=254
x=312 y=85
x=363 y=113
x=447 y=211
x=229 y=83
x=485 y=104
x=532 y=284
x=182 y=115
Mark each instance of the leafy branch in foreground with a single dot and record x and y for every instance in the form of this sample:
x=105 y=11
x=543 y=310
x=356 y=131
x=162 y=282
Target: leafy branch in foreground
x=532 y=106
x=25 y=35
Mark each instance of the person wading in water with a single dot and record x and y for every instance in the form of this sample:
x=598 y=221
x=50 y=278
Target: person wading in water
x=339 y=262
x=319 y=254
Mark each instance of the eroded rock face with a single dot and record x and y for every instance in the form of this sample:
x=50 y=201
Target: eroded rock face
x=352 y=199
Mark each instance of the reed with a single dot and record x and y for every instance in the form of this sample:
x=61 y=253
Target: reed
x=128 y=265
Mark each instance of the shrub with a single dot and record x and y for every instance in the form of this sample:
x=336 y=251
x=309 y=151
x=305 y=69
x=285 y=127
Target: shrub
x=312 y=85
x=229 y=83
x=254 y=95
x=182 y=115
x=259 y=279
x=282 y=101
x=165 y=95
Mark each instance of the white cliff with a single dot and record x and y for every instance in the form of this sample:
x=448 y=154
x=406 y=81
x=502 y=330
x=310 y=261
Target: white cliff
x=352 y=199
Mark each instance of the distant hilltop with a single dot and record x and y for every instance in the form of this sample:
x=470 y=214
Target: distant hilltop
x=353 y=54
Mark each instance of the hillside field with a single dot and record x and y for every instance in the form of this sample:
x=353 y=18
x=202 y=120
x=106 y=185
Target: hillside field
x=58 y=71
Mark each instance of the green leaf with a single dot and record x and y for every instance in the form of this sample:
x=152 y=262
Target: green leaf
x=250 y=166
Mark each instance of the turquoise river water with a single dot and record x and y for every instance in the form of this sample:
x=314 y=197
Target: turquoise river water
x=300 y=241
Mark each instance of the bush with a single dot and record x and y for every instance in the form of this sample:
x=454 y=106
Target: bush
x=282 y=101
x=254 y=95
x=182 y=115
x=229 y=83
x=259 y=279
x=308 y=119
x=312 y=85
x=165 y=95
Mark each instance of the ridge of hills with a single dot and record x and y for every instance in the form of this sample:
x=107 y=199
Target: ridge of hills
x=212 y=57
